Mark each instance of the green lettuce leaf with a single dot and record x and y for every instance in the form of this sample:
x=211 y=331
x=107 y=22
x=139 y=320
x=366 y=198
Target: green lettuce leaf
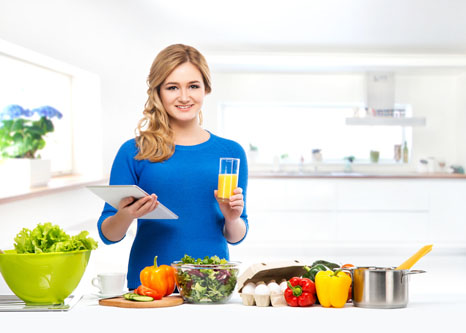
x=45 y=238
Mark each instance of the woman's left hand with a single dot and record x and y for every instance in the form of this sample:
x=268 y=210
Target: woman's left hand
x=234 y=208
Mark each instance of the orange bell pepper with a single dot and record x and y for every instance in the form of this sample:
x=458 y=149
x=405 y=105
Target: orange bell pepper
x=159 y=278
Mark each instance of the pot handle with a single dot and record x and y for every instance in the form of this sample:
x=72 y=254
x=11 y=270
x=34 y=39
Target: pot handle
x=415 y=271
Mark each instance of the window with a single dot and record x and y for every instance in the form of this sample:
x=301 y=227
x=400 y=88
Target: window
x=295 y=130
x=32 y=80
x=32 y=86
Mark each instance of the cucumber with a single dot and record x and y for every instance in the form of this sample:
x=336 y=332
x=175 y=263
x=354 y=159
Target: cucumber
x=138 y=298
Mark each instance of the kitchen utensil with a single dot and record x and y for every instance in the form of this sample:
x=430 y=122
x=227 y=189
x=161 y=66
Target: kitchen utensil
x=381 y=287
x=44 y=278
x=121 y=302
x=413 y=259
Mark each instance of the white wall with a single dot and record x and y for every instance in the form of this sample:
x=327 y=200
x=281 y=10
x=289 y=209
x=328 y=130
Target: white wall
x=433 y=96
x=461 y=119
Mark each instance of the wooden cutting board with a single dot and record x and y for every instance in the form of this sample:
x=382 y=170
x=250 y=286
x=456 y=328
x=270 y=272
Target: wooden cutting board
x=124 y=303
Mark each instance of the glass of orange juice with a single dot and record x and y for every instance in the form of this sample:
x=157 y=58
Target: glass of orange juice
x=227 y=178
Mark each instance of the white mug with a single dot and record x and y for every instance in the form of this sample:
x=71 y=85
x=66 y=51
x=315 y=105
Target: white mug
x=110 y=283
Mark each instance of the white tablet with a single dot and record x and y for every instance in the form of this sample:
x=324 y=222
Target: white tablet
x=112 y=194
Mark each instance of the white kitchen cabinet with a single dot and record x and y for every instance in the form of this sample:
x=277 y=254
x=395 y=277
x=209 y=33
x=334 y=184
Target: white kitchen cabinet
x=364 y=213
x=296 y=195
x=382 y=195
x=383 y=226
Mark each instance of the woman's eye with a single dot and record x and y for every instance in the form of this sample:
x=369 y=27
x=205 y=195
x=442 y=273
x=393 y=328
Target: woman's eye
x=194 y=86
x=172 y=88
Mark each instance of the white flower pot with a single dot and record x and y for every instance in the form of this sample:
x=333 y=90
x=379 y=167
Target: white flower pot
x=25 y=172
x=252 y=156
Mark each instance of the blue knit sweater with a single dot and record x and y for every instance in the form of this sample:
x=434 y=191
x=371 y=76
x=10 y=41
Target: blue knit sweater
x=184 y=183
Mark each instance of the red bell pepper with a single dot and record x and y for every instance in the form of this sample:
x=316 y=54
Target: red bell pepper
x=300 y=292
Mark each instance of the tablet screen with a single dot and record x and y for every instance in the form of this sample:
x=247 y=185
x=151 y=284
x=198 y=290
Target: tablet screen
x=112 y=194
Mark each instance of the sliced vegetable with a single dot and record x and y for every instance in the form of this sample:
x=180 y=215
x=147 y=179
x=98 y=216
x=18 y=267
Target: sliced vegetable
x=138 y=298
x=145 y=291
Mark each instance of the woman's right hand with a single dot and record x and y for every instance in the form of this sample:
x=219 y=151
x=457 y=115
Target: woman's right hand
x=129 y=209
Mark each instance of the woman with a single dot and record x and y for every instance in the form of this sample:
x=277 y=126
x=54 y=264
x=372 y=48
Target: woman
x=177 y=161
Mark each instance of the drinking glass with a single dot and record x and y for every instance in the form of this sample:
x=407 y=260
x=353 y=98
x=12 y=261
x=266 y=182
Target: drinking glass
x=227 y=178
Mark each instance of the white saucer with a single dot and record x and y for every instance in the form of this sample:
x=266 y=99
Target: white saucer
x=100 y=295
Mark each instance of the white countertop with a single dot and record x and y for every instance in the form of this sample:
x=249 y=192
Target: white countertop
x=437 y=303
x=425 y=313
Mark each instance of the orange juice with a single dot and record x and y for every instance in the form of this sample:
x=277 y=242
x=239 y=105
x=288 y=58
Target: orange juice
x=226 y=184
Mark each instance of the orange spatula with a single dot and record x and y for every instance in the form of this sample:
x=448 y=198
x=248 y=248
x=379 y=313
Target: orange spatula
x=418 y=255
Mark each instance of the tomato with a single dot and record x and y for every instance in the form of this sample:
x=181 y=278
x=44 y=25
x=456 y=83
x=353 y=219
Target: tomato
x=346 y=266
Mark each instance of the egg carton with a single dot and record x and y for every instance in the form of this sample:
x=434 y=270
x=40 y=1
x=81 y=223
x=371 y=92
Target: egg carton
x=260 y=281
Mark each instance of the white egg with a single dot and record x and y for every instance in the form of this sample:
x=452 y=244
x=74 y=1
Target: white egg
x=262 y=289
x=283 y=286
x=249 y=288
x=274 y=287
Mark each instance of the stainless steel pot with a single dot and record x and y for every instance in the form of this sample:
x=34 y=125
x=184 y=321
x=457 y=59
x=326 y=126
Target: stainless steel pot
x=381 y=287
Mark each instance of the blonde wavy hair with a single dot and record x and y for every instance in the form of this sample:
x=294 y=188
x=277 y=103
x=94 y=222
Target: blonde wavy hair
x=154 y=136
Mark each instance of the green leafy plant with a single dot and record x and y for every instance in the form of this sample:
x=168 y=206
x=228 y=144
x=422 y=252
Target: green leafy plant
x=350 y=159
x=23 y=131
x=45 y=238
x=253 y=148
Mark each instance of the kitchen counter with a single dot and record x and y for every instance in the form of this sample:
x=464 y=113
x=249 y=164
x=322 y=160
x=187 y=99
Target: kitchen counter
x=427 y=313
x=436 y=305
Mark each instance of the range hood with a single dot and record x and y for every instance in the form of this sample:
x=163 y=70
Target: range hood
x=380 y=91
x=380 y=103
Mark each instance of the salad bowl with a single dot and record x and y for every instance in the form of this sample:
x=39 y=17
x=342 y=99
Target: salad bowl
x=206 y=283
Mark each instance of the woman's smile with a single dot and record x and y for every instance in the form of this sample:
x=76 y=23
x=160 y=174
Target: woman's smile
x=185 y=107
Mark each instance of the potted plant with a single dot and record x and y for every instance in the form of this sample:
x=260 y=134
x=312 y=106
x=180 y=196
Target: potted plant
x=22 y=136
x=253 y=153
x=349 y=163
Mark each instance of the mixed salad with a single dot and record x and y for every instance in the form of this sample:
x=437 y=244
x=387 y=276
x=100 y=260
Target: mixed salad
x=207 y=280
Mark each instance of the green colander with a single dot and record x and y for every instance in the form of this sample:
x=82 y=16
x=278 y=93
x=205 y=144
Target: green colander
x=43 y=278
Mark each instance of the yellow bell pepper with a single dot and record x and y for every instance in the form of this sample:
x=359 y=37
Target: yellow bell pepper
x=332 y=288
